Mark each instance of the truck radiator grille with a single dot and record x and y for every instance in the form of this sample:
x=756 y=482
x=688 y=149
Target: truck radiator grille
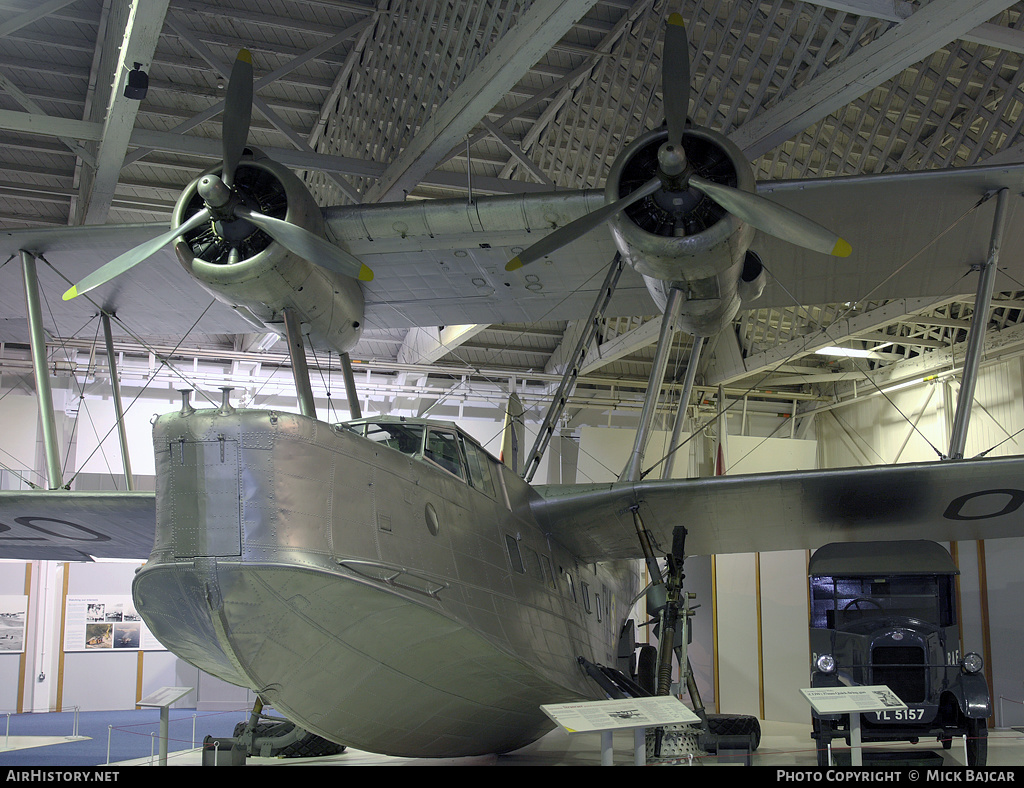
x=902 y=669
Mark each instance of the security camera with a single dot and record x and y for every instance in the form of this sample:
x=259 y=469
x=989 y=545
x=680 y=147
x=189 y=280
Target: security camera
x=137 y=84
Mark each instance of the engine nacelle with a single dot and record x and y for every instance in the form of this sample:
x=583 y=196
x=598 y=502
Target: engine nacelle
x=683 y=239
x=245 y=268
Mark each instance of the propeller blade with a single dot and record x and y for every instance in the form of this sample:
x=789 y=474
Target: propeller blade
x=307 y=245
x=237 y=114
x=774 y=219
x=574 y=229
x=133 y=257
x=675 y=78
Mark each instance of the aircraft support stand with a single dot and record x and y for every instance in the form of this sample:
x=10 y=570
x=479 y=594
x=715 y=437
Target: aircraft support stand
x=300 y=370
x=976 y=339
x=42 y=375
x=115 y=394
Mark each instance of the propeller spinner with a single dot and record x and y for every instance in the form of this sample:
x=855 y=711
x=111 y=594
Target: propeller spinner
x=231 y=215
x=675 y=176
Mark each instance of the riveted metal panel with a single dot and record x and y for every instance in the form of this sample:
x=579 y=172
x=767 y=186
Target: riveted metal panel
x=203 y=493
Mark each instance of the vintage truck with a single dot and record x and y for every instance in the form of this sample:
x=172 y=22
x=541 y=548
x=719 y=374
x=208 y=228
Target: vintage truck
x=884 y=613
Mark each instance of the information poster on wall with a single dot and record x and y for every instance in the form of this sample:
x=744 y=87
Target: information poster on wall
x=13 y=615
x=105 y=622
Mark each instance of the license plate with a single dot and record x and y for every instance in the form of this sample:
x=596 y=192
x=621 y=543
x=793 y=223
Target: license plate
x=899 y=715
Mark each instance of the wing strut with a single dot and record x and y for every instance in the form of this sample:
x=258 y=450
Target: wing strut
x=45 y=396
x=976 y=339
x=300 y=370
x=631 y=473
x=355 y=412
x=684 y=401
x=572 y=369
x=115 y=394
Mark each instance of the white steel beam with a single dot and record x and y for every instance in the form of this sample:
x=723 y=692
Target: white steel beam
x=720 y=374
x=928 y=30
x=130 y=38
x=986 y=33
x=539 y=29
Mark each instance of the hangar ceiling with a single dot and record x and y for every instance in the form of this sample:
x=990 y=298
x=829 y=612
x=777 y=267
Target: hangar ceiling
x=348 y=93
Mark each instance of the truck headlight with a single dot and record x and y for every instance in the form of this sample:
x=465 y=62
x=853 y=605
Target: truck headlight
x=972 y=663
x=825 y=663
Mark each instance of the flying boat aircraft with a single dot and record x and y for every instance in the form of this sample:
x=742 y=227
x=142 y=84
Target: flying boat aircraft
x=386 y=583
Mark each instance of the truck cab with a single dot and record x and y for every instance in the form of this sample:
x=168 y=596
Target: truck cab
x=884 y=613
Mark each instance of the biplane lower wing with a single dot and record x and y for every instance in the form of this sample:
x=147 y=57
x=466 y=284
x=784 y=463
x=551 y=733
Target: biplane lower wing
x=955 y=500
x=61 y=525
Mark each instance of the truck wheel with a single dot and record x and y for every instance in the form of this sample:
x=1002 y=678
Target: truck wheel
x=977 y=743
x=822 y=737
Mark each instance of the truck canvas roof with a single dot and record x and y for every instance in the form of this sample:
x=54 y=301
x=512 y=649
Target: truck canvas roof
x=852 y=559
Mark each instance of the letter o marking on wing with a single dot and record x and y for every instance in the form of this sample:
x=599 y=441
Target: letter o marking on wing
x=433 y=524
x=1015 y=498
x=32 y=523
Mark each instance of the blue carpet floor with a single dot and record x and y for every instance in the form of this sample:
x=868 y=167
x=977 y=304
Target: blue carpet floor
x=132 y=734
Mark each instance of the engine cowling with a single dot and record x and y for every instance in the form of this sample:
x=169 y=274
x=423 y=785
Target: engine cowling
x=682 y=239
x=245 y=268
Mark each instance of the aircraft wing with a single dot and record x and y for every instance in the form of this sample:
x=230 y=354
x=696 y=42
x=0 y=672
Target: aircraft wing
x=953 y=500
x=913 y=235
x=153 y=300
x=441 y=262
x=435 y=263
x=59 y=525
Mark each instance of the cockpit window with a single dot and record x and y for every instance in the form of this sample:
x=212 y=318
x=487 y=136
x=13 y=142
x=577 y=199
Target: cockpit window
x=406 y=438
x=443 y=448
x=480 y=468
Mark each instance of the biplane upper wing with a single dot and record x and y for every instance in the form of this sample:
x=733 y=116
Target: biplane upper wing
x=441 y=262
x=913 y=235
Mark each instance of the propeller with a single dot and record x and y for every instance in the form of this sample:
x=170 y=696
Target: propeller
x=574 y=229
x=133 y=257
x=675 y=78
x=675 y=175
x=224 y=205
x=776 y=220
x=307 y=245
x=237 y=114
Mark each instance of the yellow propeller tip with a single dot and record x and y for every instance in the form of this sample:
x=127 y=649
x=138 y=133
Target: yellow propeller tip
x=514 y=264
x=365 y=274
x=245 y=56
x=841 y=249
x=72 y=293
x=676 y=19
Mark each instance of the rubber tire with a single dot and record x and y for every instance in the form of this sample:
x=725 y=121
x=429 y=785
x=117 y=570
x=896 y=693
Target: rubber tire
x=736 y=725
x=309 y=746
x=977 y=743
x=820 y=727
x=647 y=669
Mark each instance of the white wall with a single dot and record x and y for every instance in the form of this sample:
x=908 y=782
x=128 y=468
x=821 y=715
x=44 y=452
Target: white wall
x=19 y=416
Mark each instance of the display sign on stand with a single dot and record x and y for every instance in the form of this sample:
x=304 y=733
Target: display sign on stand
x=607 y=716
x=853 y=701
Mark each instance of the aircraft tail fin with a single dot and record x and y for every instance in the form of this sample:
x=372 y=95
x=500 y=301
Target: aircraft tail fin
x=513 y=435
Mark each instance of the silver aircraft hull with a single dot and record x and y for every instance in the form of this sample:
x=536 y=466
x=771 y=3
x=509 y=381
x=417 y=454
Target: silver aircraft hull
x=293 y=558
